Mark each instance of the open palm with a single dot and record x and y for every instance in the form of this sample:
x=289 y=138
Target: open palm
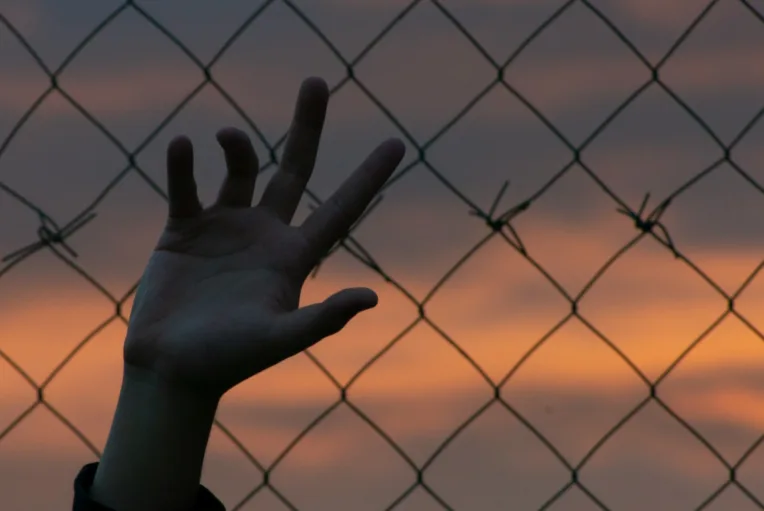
x=218 y=301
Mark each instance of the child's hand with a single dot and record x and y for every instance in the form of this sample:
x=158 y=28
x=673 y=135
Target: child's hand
x=218 y=300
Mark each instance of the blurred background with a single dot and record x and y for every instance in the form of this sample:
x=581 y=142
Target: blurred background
x=533 y=348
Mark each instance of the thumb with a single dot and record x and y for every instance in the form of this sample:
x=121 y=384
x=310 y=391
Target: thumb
x=302 y=328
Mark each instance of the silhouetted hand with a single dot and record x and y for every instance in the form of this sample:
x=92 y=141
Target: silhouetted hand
x=218 y=301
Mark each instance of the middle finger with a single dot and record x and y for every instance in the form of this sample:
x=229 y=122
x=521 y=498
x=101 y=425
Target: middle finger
x=288 y=183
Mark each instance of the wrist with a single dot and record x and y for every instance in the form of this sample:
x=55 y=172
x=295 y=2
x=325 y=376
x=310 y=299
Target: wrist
x=155 y=450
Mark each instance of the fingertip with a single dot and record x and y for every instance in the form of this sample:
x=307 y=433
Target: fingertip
x=397 y=147
x=179 y=145
x=230 y=134
x=368 y=297
x=317 y=83
x=356 y=299
x=180 y=155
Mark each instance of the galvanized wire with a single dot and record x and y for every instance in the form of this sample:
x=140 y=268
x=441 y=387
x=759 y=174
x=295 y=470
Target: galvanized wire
x=53 y=237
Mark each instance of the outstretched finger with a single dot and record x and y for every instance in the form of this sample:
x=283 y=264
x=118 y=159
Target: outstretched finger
x=301 y=328
x=181 y=186
x=330 y=221
x=242 y=165
x=288 y=183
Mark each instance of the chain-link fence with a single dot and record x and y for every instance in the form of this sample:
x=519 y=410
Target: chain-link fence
x=53 y=237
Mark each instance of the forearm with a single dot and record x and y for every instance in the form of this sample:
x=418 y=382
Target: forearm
x=155 y=450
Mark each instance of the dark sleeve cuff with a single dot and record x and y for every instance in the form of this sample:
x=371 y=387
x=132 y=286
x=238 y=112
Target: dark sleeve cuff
x=205 y=500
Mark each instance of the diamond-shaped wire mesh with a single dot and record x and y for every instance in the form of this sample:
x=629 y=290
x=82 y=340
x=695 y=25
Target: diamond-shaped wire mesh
x=53 y=237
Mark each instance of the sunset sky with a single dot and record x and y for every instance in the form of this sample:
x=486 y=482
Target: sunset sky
x=497 y=305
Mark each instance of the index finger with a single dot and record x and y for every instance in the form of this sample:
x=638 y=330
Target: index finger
x=330 y=221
